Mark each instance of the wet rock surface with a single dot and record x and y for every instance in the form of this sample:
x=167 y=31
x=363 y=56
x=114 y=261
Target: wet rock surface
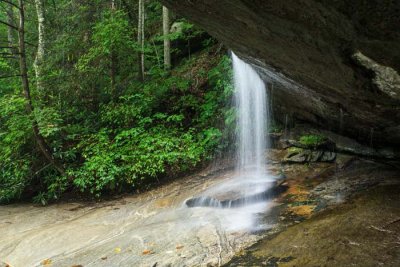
x=364 y=232
x=150 y=229
x=335 y=143
x=231 y=201
x=334 y=218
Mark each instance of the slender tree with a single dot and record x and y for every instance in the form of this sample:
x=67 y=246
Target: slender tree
x=167 y=41
x=41 y=53
x=43 y=146
x=113 y=58
x=140 y=39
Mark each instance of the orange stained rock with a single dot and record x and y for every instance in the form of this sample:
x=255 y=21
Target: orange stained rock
x=147 y=252
x=303 y=210
x=46 y=262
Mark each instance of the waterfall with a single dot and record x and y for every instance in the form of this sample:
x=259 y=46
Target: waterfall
x=250 y=189
x=252 y=118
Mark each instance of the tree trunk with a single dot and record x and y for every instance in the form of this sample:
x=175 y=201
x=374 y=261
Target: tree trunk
x=113 y=60
x=141 y=39
x=167 y=42
x=43 y=146
x=41 y=53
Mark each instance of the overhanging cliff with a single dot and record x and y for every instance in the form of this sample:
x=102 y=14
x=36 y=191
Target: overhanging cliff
x=333 y=63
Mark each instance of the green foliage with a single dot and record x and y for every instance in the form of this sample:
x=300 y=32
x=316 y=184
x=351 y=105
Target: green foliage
x=127 y=111
x=312 y=140
x=275 y=128
x=184 y=30
x=14 y=176
x=217 y=109
x=49 y=121
x=41 y=198
x=141 y=142
x=111 y=138
x=15 y=134
x=110 y=34
x=139 y=155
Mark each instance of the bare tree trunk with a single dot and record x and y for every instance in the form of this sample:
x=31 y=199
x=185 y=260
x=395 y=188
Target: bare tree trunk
x=41 y=53
x=141 y=17
x=43 y=146
x=113 y=59
x=167 y=42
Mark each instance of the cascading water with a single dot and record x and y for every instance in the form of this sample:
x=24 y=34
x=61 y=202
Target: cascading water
x=252 y=118
x=246 y=192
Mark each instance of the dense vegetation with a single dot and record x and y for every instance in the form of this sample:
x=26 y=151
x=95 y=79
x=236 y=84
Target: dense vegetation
x=108 y=130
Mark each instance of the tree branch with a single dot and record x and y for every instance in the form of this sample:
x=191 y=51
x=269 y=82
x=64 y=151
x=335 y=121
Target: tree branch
x=9 y=54
x=26 y=42
x=9 y=25
x=10 y=76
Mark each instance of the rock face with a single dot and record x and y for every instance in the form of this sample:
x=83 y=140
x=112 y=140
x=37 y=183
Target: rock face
x=331 y=63
x=385 y=79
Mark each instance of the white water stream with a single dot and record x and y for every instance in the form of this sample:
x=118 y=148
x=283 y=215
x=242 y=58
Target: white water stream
x=252 y=118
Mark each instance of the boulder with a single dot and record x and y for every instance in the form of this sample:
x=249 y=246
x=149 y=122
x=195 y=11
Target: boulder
x=305 y=155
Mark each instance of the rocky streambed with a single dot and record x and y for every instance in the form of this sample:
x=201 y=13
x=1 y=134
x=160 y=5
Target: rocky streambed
x=332 y=214
x=349 y=219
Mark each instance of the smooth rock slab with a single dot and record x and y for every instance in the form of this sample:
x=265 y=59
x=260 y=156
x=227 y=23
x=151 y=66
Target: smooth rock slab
x=142 y=230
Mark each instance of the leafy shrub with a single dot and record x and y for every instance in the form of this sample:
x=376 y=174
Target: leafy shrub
x=139 y=155
x=15 y=134
x=13 y=179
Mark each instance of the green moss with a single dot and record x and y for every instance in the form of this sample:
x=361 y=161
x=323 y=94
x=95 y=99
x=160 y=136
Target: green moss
x=294 y=150
x=312 y=140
